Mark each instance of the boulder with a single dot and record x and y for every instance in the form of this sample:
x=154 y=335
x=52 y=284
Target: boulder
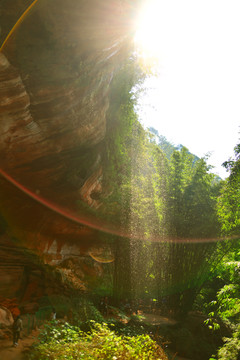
x=6 y=318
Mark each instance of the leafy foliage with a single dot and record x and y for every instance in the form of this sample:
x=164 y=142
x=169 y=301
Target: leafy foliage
x=231 y=348
x=220 y=299
x=154 y=196
x=229 y=201
x=224 y=288
x=65 y=342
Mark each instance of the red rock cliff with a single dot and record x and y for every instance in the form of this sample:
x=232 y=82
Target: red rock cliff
x=55 y=72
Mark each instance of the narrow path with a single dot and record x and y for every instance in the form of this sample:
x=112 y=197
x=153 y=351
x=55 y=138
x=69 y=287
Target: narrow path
x=172 y=356
x=156 y=319
x=8 y=352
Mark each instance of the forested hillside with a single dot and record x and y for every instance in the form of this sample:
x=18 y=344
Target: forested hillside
x=156 y=189
x=175 y=210
x=167 y=147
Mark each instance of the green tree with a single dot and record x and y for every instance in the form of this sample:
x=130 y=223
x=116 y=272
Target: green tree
x=222 y=299
x=200 y=216
x=229 y=201
x=181 y=169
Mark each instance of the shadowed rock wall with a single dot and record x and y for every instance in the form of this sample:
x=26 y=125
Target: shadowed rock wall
x=55 y=73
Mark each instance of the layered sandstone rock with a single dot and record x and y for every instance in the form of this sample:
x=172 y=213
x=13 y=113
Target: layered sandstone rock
x=55 y=73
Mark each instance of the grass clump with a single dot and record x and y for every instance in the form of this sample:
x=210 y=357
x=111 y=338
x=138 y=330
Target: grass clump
x=66 y=342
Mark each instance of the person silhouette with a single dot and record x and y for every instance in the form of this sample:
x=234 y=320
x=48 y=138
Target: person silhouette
x=17 y=328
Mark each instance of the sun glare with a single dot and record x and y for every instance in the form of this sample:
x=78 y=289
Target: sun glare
x=149 y=34
x=194 y=47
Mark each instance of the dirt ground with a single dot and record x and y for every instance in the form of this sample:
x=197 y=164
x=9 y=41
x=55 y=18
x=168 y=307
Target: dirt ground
x=173 y=356
x=8 y=352
x=156 y=319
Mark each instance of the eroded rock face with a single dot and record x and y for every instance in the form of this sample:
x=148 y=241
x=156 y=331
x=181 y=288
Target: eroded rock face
x=55 y=73
x=5 y=316
x=53 y=112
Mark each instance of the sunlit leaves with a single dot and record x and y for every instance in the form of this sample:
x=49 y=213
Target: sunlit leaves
x=229 y=201
x=99 y=343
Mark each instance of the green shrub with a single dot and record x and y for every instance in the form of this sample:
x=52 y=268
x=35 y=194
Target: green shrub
x=66 y=342
x=231 y=349
x=86 y=311
x=59 y=333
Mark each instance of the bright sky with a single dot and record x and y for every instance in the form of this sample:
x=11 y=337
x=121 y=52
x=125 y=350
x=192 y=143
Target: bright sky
x=195 y=100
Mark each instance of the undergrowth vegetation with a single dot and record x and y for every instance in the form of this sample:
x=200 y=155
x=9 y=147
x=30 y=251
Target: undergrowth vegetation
x=62 y=341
